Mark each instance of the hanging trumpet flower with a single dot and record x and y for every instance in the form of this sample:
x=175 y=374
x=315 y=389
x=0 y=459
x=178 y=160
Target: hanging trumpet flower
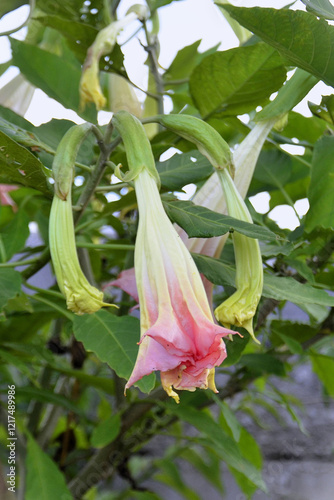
x=178 y=335
x=240 y=308
x=81 y=296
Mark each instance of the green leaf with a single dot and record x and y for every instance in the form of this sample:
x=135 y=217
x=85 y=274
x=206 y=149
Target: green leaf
x=44 y=480
x=182 y=169
x=56 y=75
x=304 y=40
x=19 y=166
x=299 y=332
x=170 y=475
x=323 y=366
x=230 y=419
x=208 y=465
x=280 y=288
x=237 y=80
x=322 y=8
x=75 y=31
x=47 y=396
x=106 y=431
x=292 y=344
x=215 y=270
x=251 y=451
x=289 y=95
x=224 y=445
x=321 y=212
x=10 y=285
x=273 y=170
x=324 y=110
x=263 y=363
x=10 y=5
x=114 y=340
x=304 y=128
x=184 y=62
x=201 y=222
x=142 y=495
x=14 y=234
x=235 y=348
x=275 y=287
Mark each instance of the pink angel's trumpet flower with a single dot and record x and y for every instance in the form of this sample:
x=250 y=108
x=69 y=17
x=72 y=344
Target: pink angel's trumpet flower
x=5 y=198
x=178 y=335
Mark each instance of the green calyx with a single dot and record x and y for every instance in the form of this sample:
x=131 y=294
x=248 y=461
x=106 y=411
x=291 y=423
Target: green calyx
x=137 y=146
x=63 y=163
x=208 y=141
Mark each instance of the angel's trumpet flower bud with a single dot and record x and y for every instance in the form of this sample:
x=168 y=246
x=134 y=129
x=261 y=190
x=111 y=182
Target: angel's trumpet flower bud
x=90 y=89
x=239 y=309
x=81 y=296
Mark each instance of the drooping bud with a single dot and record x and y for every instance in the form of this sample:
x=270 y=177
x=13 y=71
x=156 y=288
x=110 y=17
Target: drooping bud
x=239 y=309
x=90 y=89
x=208 y=141
x=81 y=296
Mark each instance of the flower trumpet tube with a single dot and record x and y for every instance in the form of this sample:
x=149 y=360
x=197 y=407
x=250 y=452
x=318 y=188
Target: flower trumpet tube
x=81 y=296
x=178 y=335
x=239 y=309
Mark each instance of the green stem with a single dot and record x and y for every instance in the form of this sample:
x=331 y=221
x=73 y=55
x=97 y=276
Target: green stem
x=112 y=187
x=97 y=173
x=62 y=311
x=152 y=55
x=52 y=293
x=17 y=263
x=105 y=246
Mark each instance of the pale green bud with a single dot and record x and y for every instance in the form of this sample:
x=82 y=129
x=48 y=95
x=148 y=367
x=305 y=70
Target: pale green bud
x=81 y=296
x=90 y=89
x=208 y=141
x=240 y=308
x=142 y=11
x=138 y=148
